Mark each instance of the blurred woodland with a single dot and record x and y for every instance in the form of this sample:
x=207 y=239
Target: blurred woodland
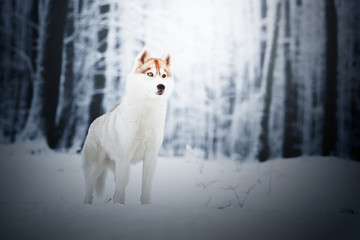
x=254 y=79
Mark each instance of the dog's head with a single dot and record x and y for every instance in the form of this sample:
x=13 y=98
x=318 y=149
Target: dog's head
x=152 y=77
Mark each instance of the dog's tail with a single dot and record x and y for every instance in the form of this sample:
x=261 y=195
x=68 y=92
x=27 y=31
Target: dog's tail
x=100 y=183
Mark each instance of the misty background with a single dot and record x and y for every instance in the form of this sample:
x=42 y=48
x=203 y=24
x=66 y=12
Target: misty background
x=254 y=80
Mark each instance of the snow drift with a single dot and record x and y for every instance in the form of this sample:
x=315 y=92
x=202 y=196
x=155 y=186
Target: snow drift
x=302 y=198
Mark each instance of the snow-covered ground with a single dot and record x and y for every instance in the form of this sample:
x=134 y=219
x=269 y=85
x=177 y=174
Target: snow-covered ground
x=303 y=198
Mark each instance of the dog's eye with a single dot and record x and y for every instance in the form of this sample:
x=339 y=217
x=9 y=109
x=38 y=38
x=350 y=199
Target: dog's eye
x=150 y=74
x=163 y=76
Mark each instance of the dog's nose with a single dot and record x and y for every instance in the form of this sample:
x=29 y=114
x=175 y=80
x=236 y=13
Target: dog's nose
x=161 y=87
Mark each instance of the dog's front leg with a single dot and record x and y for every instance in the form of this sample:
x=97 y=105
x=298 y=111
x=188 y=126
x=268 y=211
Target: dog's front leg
x=149 y=166
x=122 y=172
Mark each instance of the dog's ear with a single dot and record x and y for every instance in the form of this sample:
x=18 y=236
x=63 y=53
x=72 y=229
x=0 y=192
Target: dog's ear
x=143 y=56
x=167 y=58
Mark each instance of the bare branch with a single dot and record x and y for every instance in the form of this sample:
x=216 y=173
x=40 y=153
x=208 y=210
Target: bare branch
x=204 y=185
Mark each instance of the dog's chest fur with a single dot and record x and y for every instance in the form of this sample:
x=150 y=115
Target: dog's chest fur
x=144 y=121
x=141 y=126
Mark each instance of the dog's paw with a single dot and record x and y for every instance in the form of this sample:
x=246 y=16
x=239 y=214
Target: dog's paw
x=145 y=200
x=119 y=199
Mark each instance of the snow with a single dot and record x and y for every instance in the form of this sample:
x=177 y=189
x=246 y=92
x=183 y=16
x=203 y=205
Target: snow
x=301 y=198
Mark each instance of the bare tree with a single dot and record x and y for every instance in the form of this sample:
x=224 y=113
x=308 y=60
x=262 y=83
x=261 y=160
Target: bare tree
x=292 y=141
x=51 y=68
x=264 y=135
x=330 y=134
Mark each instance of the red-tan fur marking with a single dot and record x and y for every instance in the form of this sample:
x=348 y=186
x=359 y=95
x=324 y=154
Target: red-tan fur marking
x=116 y=106
x=151 y=63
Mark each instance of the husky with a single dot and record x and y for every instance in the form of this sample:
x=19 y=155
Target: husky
x=132 y=132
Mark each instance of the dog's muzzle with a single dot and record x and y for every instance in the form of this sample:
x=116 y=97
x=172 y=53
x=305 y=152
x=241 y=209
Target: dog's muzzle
x=161 y=89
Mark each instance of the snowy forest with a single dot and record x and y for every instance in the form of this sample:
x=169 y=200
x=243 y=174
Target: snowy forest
x=254 y=79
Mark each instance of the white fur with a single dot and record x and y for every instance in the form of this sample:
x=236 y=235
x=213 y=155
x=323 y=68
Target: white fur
x=131 y=133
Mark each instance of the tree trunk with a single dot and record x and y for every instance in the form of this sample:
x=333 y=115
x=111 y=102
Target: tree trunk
x=96 y=107
x=292 y=136
x=262 y=41
x=330 y=102
x=51 y=64
x=65 y=117
x=263 y=153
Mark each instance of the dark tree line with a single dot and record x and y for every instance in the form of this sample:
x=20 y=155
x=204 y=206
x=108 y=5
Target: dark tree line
x=331 y=95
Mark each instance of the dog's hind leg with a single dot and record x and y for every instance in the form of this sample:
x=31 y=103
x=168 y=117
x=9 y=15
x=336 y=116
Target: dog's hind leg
x=94 y=179
x=90 y=180
x=100 y=183
x=93 y=168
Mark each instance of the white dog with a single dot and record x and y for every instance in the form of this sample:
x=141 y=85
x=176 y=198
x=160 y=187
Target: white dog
x=132 y=132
